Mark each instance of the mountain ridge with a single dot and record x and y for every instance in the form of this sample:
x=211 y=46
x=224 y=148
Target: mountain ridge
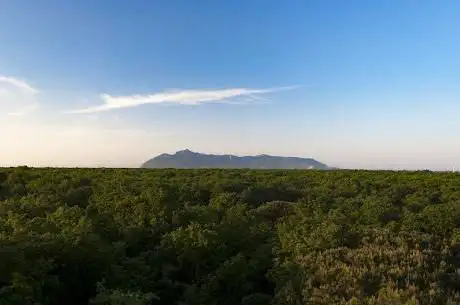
x=190 y=159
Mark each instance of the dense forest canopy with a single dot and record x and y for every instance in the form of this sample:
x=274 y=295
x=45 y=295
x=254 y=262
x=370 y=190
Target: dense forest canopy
x=197 y=237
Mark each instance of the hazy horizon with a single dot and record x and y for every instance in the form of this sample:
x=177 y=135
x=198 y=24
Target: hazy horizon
x=352 y=85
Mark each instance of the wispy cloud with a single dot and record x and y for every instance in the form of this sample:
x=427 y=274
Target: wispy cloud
x=17 y=97
x=182 y=97
x=20 y=84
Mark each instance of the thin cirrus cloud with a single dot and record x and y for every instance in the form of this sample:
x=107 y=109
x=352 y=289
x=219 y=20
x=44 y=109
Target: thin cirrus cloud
x=19 y=84
x=17 y=97
x=181 y=97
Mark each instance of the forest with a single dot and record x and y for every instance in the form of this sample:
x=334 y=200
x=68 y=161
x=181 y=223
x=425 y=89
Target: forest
x=228 y=237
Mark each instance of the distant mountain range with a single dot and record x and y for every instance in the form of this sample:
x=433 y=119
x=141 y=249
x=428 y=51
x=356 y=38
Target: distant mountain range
x=190 y=159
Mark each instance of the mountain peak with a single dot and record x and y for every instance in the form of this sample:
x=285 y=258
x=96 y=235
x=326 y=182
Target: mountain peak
x=184 y=152
x=189 y=159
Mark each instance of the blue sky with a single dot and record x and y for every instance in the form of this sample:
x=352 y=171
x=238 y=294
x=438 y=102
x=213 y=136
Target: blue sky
x=364 y=83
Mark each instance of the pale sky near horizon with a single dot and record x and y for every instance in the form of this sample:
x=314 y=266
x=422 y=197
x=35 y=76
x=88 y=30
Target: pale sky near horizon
x=353 y=84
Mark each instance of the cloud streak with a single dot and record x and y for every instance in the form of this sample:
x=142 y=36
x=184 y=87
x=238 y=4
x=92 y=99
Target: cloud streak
x=17 y=97
x=20 y=84
x=181 y=97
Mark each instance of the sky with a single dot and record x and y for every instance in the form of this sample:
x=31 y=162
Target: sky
x=353 y=84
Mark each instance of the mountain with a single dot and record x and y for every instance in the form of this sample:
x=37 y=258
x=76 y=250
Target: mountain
x=190 y=159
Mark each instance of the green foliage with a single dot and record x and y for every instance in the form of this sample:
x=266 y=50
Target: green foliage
x=231 y=237
x=118 y=297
